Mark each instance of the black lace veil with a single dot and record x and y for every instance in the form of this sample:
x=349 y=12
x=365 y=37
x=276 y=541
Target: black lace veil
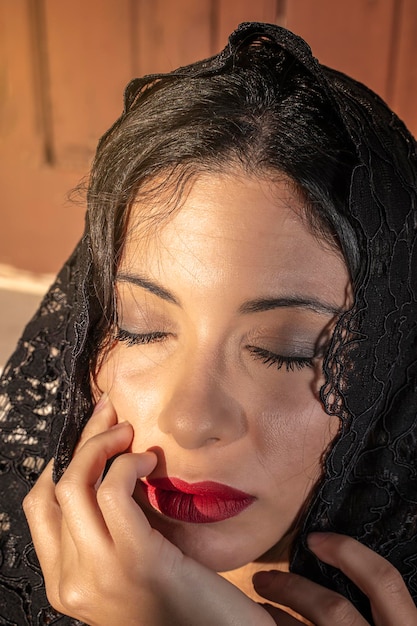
x=369 y=487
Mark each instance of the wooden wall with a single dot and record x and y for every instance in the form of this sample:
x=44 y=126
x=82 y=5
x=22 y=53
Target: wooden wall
x=64 y=64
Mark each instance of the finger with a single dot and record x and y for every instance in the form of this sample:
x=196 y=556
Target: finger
x=116 y=502
x=282 y=618
x=76 y=492
x=44 y=518
x=103 y=417
x=318 y=604
x=390 y=600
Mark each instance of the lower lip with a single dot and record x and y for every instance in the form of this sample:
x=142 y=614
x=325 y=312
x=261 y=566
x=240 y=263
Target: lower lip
x=201 y=503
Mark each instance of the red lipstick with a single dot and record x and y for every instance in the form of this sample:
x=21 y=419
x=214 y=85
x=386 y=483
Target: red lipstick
x=197 y=503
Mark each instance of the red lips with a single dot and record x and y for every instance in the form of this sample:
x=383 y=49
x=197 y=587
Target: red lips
x=197 y=503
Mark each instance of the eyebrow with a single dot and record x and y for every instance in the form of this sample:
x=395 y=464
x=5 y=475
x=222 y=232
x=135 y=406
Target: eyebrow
x=150 y=285
x=250 y=306
x=298 y=302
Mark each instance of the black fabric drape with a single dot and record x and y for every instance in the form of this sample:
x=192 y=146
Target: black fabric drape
x=369 y=486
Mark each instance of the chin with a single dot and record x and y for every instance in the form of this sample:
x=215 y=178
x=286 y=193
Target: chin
x=220 y=546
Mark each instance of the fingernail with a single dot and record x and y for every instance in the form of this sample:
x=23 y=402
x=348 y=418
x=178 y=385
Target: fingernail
x=263 y=579
x=100 y=404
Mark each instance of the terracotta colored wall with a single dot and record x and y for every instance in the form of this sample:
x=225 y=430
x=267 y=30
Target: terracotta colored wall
x=63 y=67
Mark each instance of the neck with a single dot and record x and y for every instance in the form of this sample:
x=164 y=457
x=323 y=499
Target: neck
x=277 y=558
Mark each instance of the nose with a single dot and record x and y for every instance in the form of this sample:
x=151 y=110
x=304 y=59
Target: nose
x=199 y=411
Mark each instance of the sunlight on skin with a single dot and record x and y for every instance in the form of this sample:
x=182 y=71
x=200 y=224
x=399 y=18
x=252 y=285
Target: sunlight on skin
x=230 y=281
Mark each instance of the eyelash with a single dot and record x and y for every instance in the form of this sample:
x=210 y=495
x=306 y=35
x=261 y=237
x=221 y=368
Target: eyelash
x=291 y=363
x=134 y=339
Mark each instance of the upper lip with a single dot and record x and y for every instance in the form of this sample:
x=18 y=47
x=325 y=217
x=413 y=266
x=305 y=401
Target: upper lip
x=206 y=488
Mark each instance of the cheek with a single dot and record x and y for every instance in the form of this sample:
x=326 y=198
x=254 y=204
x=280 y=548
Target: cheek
x=287 y=428
x=136 y=396
x=292 y=434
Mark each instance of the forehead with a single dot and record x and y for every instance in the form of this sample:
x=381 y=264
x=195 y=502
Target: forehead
x=236 y=227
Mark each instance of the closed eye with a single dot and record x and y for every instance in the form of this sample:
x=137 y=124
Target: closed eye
x=268 y=358
x=133 y=339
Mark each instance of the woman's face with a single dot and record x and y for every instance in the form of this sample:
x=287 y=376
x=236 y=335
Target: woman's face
x=224 y=314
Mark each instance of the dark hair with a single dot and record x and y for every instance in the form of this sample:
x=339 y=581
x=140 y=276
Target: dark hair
x=262 y=112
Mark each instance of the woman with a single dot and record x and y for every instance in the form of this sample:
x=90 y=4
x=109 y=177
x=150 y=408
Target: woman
x=242 y=313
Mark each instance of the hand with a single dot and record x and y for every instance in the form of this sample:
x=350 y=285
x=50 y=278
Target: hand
x=390 y=600
x=103 y=563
